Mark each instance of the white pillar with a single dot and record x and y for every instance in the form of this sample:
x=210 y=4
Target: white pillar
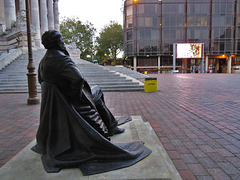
x=174 y=58
x=206 y=64
x=10 y=13
x=22 y=13
x=2 y=17
x=22 y=5
x=36 y=21
x=135 y=63
x=56 y=15
x=229 y=65
x=202 y=65
x=43 y=15
x=159 y=64
x=50 y=15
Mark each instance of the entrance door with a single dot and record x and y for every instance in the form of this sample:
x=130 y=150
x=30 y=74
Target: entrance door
x=222 y=66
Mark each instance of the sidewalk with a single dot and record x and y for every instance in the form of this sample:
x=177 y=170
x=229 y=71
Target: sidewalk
x=195 y=116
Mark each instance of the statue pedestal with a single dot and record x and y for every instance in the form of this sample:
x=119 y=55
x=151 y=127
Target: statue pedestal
x=27 y=164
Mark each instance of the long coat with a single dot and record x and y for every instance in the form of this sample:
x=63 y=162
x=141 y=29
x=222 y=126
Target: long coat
x=65 y=138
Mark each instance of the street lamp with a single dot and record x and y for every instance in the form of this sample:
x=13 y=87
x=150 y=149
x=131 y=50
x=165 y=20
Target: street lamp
x=32 y=85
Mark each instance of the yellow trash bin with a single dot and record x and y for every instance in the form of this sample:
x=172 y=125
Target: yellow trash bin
x=150 y=84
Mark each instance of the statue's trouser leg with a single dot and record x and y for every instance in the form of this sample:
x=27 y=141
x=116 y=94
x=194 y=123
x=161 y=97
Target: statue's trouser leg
x=107 y=117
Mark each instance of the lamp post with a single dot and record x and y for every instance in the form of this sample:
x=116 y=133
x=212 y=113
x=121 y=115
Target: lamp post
x=32 y=85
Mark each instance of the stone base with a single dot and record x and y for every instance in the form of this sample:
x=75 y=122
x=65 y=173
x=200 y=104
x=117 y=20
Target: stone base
x=158 y=165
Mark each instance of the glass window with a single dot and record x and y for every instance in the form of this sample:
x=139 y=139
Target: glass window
x=238 y=33
x=173 y=8
x=238 y=7
x=140 y=21
x=154 y=34
x=140 y=8
x=140 y=34
x=216 y=8
x=140 y=47
x=216 y=33
x=150 y=8
x=129 y=47
x=215 y=21
x=129 y=11
x=148 y=21
x=221 y=46
x=228 y=33
x=198 y=0
x=129 y=22
x=198 y=9
x=228 y=46
x=173 y=1
x=147 y=34
x=129 y=35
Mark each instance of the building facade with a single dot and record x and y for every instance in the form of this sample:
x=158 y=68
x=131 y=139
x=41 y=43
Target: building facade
x=152 y=27
x=44 y=15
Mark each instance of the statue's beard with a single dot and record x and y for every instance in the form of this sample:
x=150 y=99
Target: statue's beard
x=63 y=48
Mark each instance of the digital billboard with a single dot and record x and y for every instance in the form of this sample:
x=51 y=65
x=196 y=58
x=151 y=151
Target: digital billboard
x=189 y=50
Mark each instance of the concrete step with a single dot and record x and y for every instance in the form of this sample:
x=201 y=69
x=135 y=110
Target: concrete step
x=13 y=78
x=158 y=166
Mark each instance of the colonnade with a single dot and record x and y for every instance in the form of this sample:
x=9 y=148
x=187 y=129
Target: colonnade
x=204 y=64
x=44 y=15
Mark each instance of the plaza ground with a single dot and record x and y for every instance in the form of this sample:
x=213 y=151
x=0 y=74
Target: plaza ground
x=195 y=116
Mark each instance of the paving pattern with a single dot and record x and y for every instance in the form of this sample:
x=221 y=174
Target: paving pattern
x=196 y=117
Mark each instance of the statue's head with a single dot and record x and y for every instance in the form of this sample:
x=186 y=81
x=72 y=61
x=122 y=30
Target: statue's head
x=52 y=39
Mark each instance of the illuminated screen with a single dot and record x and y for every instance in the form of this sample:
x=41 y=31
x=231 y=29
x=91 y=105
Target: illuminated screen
x=189 y=50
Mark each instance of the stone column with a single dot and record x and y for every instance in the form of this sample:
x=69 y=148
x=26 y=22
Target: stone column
x=159 y=64
x=50 y=15
x=36 y=21
x=229 y=65
x=43 y=15
x=206 y=64
x=174 y=58
x=22 y=14
x=22 y=5
x=56 y=15
x=10 y=13
x=2 y=17
x=135 y=63
x=202 y=65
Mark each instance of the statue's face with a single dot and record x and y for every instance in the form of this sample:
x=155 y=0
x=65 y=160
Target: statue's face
x=61 y=43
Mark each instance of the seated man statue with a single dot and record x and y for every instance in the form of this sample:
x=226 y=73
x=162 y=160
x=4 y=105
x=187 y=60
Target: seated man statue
x=75 y=123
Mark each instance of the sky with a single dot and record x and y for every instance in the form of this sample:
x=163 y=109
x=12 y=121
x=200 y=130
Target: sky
x=98 y=12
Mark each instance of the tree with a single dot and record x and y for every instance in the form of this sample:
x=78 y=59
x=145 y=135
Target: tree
x=110 y=40
x=73 y=30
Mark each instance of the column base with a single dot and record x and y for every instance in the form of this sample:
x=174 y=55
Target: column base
x=34 y=100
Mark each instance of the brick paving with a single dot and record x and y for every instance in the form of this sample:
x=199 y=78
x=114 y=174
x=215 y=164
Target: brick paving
x=196 y=117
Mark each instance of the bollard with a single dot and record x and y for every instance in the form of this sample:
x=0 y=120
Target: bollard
x=150 y=84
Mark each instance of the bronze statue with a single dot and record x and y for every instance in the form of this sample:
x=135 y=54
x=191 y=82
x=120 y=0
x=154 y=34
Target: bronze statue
x=75 y=123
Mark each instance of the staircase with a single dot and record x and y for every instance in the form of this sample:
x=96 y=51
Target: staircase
x=13 y=78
